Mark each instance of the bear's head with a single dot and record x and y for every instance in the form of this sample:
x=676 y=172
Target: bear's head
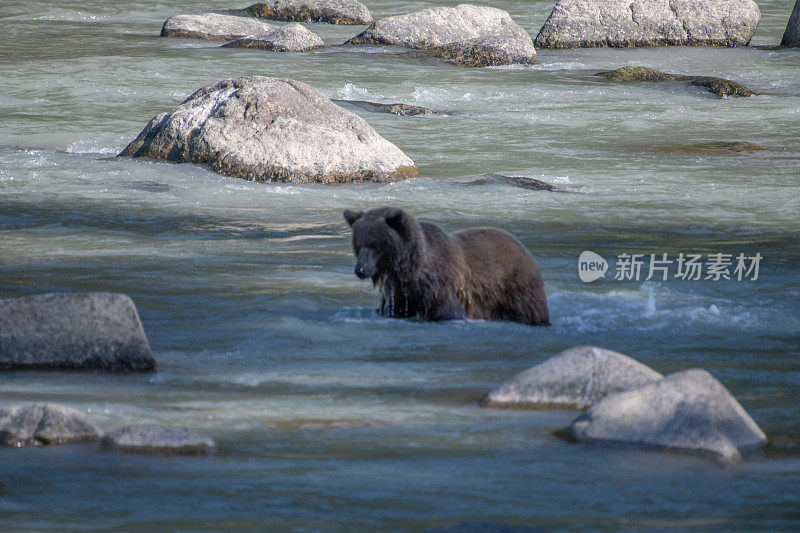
x=383 y=242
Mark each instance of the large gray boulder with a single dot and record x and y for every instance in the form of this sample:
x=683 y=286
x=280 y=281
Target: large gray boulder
x=158 y=439
x=688 y=411
x=73 y=331
x=261 y=128
x=440 y=26
x=622 y=23
x=485 y=51
x=289 y=38
x=330 y=11
x=215 y=26
x=574 y=379
x=45 y=423
x=791 y=37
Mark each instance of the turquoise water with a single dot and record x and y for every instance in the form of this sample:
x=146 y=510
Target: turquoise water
x=329 y=417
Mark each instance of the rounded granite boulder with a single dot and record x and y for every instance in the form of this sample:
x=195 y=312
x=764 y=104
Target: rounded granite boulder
x=158 y=439
x=215 y=26
x=574 y=379
x=624 y=23
x=277 y=129
x=440 y=26
x=289 y=38
x=688 y=411
x=73 y=331
x=43 y=424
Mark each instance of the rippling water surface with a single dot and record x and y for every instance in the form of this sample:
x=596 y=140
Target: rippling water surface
x=328 y=417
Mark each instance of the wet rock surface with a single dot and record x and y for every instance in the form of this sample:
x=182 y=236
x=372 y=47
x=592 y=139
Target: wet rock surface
x=404 y=110
x=289 y=38
x=791 y=37
x=688 y=411
x=348 y=12
x=159 y=439
x=484 y=51
x=43 y=424
x=215 y=26
x=625 y=23
x=515 y=181
x=574 y=379
x=277 y=129
x=73 y=331
x=717 y=86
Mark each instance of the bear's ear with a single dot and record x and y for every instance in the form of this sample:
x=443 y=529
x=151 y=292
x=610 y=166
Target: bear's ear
x=396 y=219
x=352 y=216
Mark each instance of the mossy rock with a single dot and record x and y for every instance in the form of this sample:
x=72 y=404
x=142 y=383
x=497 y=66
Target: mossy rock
x=403 y=110
x=483 y=52
x=717 y=86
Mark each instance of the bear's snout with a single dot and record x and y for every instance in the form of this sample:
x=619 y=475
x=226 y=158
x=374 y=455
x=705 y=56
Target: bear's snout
x=365 y=265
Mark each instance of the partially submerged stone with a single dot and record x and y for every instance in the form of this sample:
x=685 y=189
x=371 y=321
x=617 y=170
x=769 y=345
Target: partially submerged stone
x=484 y=51
x=289 y=38
x=404 y=110
x=73 y=331
x=215 y=26
x=43 y=424
x=349 y=12
x=706 y=148
x=158 y=439
x=687 y=411
x=516 y=181
x=574 y=379
x=440 y=26
x=791 y=37
x=718 y=86
x=625 y=23
x=261 y=128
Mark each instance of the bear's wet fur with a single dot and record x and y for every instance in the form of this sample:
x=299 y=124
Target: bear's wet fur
x=481 y=273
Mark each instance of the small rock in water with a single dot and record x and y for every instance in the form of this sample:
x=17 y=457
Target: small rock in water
x=42 y=424
x=403 y=110
x=515 y=181
x=158 y=439
x=574 y=379
x=151 y=186
x=687 y=411
x=625 y=23
x=791 y=37
x=348 y=12
x=289 y=38
x=718 y=86
x=484 y=51
x=214 y=26
x=73 y=331
x=710 y=148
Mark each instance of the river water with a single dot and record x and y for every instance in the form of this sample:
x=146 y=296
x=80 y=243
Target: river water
x=329 y=417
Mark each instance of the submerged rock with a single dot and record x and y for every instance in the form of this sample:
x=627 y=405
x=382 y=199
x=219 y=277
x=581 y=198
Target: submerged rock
x=440 y=26
x=516 y=181
x=42 y=424
x=484 y=51
x=791 y=37
x=688 y=411
x=157 y=439
x=706 y=148
x=73 y=331
x=574 y=379
x=215 y=26
x=289 y=38
x=624 y=23
x=330 y=11
x=277 y=129
x=718 y=86
x=404 y=110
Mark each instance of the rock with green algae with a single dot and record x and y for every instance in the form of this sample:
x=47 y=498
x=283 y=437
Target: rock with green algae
x=403 y=110
x=292 y=37
x=484 y=51
x=344 y=12
x=718 y=86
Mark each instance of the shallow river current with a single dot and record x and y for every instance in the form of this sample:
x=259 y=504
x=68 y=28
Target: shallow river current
x=329 y=417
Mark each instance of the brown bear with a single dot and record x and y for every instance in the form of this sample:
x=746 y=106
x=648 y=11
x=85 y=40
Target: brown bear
x=422 y=271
